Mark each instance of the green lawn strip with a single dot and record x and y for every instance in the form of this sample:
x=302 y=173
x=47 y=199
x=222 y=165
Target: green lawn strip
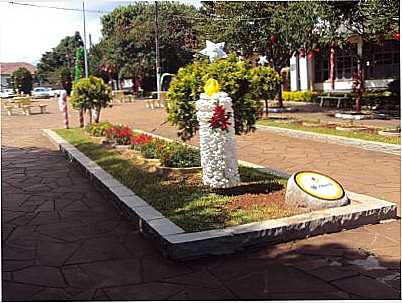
x=333 y=131
x=186 y=202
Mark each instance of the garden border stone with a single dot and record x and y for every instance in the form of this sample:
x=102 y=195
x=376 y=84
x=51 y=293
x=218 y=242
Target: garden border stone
x=177 y=244
x=388 y=148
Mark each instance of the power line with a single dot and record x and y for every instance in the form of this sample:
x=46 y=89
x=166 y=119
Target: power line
x=58 y=7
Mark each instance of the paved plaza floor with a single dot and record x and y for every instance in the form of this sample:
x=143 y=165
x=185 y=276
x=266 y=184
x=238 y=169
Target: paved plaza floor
x=62 y=240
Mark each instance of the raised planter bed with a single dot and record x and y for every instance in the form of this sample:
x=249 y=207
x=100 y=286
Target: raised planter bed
x=175 y=243
x=390 y=133
x=351 y=128
x=353 y=116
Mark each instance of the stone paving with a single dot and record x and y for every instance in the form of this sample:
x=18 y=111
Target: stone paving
x=62 y=240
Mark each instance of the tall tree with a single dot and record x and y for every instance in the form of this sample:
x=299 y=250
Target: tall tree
x=274 y=29
x=129 y=40
x=62 y=56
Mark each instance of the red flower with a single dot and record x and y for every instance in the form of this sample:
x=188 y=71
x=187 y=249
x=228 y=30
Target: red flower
x=274 y=39
x=396 y=36
x=141 y=139
x=220 y=119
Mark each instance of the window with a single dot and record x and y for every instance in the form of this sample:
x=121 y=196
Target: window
x=381 y=61
x=345 y=63
x=321 y=66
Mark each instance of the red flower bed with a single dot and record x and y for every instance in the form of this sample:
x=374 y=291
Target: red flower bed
x=121 y=134
x=141 y=139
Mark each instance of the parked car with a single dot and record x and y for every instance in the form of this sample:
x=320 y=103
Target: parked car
x=41 y=92
x=7 y=93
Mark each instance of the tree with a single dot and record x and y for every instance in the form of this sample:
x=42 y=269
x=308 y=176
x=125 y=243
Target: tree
x=22 y=79
x=62 y=56
x=234 y=76
x=91 y=94
x=129 y=41
x=274 y=29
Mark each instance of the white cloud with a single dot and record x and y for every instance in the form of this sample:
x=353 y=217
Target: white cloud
x=26 y=32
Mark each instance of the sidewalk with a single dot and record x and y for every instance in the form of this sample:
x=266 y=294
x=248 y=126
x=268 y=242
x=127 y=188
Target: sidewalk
x=63 y=241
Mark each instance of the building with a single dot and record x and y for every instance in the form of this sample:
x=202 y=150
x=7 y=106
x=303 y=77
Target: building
x=7 y=69
x=313 y=72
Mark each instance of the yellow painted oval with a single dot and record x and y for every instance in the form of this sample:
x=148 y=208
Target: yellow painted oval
x=319 y=186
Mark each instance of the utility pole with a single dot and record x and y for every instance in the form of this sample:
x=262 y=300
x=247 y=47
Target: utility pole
x=85 y=41
x=158 y=68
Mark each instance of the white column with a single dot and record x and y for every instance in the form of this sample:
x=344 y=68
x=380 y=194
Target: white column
x=293 y=74
x=217 y=147
x=303 y=72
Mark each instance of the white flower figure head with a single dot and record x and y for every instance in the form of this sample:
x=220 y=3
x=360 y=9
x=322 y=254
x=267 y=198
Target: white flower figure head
x=263 y=60
x=214 y=51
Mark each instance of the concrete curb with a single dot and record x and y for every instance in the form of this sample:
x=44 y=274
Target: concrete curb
x=359 y=143
x=175 y=243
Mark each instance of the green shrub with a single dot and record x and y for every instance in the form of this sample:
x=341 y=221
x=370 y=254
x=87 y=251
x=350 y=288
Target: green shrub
x=22 y=80
x=98 y=129
x=302 y=96
x=91 y=93
x=150 y=150
x=234 y=78
x=179 y=155
x=265 y=82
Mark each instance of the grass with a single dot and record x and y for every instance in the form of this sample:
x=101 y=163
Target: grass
x=332 y=131
x=183 y=199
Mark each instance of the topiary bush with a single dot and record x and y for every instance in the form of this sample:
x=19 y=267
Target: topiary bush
x=91 y=93
x=301 y=96
x=234 y=78
x=22 y=79
x=98 y=129
x=178 y=155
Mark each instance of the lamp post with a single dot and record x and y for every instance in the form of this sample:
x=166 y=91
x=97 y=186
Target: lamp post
x=158 y=68
x=85 y=41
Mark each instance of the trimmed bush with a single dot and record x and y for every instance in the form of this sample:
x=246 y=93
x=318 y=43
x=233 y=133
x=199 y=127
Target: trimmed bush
x=91 y=93
x=301 y=96
x=234 y=78
x=98 y=129
x=179 y=156
x=22 y=80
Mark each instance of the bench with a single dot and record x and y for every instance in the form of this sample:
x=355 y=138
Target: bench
x=26 y=109
x=344 y=100
x=8 y=107
x=155 y=102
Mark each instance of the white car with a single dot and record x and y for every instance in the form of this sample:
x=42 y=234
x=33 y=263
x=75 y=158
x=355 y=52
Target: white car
x=41 y=92
x=7 y=93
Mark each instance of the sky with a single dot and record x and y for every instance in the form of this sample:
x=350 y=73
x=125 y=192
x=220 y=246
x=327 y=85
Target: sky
x=26 y=32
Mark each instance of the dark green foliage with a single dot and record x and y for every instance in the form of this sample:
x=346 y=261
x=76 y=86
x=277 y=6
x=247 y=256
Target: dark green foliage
x=90 y=93
x=395 y=87
x=178 y=155
x=22 y=79
x=235 y=77
x=62 y=56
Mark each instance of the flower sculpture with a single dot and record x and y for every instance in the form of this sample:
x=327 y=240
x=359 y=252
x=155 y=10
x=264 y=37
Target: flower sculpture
x=217 y=137
x=214 y=51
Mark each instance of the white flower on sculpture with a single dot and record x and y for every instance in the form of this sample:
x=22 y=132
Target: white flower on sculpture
x=263 y=60
x=214 y=51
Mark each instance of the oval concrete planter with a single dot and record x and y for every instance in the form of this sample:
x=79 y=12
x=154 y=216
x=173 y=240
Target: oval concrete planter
x=121 y=147
x=311 y=124
x=350 y=128
x=389 y=133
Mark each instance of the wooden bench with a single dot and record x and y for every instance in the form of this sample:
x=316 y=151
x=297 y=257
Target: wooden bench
x=344 y=100
x=8 y=107
x=155 y=102
x=26 y=109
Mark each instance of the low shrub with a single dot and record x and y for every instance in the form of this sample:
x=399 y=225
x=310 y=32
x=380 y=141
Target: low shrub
x=150 y=149
x=122 y=135
x=179 y=156
x=98 y=129
x=302 y=96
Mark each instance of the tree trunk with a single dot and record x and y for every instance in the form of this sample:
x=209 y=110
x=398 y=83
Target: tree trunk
x=360 y=86
x=266 y=107
x=96 y=113
x=81 y=115
x=280 y=100
x=332 y=67
x=89 y=113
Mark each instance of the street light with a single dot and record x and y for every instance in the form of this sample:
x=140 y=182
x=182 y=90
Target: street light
x=158 y=68
x=85 y=41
